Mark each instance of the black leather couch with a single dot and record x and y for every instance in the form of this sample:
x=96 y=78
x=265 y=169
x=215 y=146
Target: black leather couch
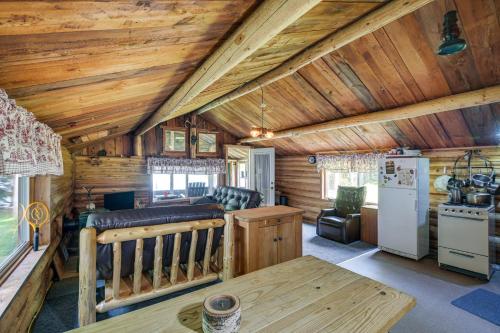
x=152 y=216
x=233 y=198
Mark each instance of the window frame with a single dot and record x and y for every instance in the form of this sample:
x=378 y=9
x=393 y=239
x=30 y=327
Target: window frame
x=204 y=153
x=213 y=182
x=165 y=146
x=324 y=187
x=19 y=252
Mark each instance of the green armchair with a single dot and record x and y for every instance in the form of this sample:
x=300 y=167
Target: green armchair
x=342 y=223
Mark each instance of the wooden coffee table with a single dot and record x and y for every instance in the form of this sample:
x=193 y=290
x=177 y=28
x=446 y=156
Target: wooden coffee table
x=305 y=294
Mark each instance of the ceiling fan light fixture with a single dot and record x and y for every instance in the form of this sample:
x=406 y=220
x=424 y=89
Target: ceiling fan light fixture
x=452 y=43
x=269 y=134
x=255 y=132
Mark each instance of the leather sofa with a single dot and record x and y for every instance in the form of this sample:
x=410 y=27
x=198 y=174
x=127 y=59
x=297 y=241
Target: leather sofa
x=233 y=198
x=152 y=216
x=342 y=223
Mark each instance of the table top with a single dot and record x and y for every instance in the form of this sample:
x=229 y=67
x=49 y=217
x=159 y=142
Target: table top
x=254 y=214
x=305 y=294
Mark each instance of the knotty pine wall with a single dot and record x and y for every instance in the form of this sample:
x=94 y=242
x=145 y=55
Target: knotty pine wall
x=61 y=187
x=120 y=171
x=300 y=181
x=113 y=174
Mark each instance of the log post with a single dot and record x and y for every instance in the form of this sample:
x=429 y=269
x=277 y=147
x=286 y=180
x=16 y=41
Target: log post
x=117 y=268
x=227 y=269
x=138 y=265
x=138 y=145
x=192 y=255
x=87 y=287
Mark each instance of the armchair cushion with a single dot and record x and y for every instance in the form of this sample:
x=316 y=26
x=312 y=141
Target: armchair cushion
x=332 y=219
x=349 y=200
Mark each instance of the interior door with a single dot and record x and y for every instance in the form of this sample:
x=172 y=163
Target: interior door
x=262 y=173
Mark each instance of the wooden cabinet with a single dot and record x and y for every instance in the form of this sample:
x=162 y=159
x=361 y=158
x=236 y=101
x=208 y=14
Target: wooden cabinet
x=266 y=236
x=369 y=224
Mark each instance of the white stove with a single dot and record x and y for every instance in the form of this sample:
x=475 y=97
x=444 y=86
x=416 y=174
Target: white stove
x=465 y=239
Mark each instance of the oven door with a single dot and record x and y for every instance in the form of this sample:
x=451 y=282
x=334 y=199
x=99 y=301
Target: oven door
x=461 y=233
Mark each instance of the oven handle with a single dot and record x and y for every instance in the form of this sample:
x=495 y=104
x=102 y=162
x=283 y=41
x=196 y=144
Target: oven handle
x=461 y=254
x=465 y=217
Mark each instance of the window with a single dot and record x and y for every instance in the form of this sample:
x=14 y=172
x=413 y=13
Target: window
x=207 y=143
x=332 y=180
x=14 y=230
x=161 y=182
x=174 y=140
x=176 y=186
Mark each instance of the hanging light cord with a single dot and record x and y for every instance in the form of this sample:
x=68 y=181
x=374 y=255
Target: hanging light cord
x=262 y=106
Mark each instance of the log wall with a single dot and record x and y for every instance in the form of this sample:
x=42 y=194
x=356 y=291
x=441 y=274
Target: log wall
x=300 y=181
x=61 y=187
x=112 y=174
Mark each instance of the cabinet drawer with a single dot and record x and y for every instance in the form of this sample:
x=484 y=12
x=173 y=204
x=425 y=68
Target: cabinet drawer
x=273 y=222
x=465 y=260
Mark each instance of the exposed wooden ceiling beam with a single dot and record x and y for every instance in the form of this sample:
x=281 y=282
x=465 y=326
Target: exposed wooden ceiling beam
x=365 y=25
x=81 y=145
x=270 y=18
x=454 y=102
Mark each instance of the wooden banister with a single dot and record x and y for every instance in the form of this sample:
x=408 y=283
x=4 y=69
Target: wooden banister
x=125 y=291
x=175 y=259
x=192 y=255
x=126 y=234
x=87 y=277
x=117 y=265
x=208 y=248
x=139 y=245
x=158 y=263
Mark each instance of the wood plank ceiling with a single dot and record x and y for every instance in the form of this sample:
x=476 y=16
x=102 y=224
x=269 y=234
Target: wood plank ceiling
x=84 y=67
x=393 y=66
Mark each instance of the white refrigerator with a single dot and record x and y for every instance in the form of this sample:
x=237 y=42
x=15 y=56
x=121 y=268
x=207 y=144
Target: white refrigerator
x=403 y=206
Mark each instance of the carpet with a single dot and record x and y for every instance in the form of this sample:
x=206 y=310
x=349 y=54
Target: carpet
x=482 y=303
x=329 y=250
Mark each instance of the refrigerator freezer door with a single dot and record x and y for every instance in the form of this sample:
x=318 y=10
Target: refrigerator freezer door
x=398 y=173
x=397 y=219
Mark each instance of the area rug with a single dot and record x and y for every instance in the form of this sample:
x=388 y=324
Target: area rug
x=482 y=303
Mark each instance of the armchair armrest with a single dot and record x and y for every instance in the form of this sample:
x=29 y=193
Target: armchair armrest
x=327 y=212
x=203 y=200
x=353 y=217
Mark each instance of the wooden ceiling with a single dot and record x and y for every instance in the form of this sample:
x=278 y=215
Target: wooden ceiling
x=84 y=67
x=393 y=66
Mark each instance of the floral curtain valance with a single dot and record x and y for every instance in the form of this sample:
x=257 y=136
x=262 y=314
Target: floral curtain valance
x=27 y=147
x=348 y=163
x=207 y=166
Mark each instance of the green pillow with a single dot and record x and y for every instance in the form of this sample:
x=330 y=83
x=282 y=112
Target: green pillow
x=349 y=200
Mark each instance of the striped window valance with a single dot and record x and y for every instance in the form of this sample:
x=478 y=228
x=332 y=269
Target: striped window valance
x=27 y=147
x=348 y=162
x=164 y=165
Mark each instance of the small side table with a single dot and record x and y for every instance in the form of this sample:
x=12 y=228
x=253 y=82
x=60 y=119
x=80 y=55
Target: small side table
x=369 y=224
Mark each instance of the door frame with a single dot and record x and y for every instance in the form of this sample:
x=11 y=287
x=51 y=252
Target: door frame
x=272 y=153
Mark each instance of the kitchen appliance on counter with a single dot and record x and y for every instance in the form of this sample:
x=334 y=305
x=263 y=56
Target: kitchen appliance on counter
x=403 y=207
x=466 y=238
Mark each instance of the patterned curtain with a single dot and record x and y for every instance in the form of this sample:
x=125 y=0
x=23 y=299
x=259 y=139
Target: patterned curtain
x=348 y=163
x=207 y=166
x=27 y=147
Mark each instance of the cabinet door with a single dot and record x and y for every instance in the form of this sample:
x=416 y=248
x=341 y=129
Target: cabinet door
x=267 y=246
x=286 y=241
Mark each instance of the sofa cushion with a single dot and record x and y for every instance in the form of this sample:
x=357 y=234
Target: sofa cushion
x=152 y=216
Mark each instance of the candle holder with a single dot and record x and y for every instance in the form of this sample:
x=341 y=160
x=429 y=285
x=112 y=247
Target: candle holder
x=221 y=314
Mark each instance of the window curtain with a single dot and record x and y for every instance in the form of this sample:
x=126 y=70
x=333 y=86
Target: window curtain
x=209 y=166
x=27 y=147
x=348 y=163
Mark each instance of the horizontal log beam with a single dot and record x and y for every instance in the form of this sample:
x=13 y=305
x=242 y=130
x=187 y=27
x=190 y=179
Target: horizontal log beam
x=269 y=19
x=126 y=234
x=454 y=102
x=365 y=25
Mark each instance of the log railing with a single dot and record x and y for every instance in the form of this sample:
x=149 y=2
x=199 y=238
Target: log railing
x=140 y=286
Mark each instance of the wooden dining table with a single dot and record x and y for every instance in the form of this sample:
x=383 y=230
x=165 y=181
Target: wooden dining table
x=301 y=295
